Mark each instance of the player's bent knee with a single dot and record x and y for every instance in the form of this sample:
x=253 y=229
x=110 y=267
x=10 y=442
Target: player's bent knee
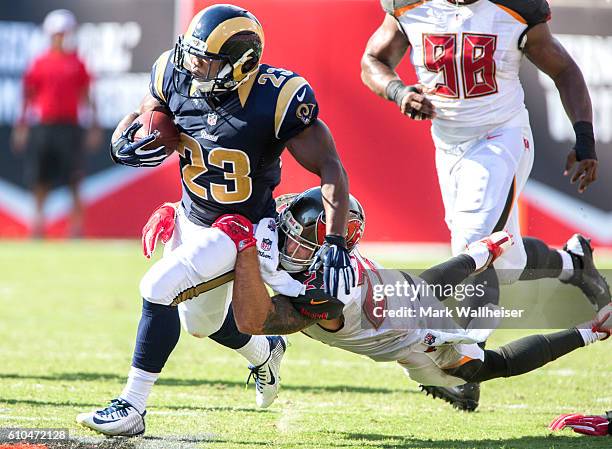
x=155 y=290
x=192 y=328
x=163 y=281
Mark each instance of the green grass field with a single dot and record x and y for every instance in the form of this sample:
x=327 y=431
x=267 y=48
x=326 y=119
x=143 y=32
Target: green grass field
x=67 y=327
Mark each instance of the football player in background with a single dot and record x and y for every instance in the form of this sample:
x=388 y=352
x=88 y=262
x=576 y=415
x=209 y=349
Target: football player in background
x=467 y=55
x=235 y=116
x=432 y=351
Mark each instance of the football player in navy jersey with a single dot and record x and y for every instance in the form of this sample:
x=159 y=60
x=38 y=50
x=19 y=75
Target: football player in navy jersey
x=235 y=116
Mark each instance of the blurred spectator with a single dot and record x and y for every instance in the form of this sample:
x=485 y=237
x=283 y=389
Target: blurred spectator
x=55 y=85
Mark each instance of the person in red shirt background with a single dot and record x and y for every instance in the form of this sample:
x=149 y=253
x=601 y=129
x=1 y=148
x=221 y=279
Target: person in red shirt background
x=55 y=85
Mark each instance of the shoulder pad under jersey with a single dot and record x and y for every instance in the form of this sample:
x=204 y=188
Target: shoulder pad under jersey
x=161 y=76
x=390 y=6
x=530 y=12
x=296 y=107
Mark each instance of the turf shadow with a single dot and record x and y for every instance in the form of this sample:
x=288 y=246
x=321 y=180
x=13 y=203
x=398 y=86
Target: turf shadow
x=219 y=383
x=76 y=404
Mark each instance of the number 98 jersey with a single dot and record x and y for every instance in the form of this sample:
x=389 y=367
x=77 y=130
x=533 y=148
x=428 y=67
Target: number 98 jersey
x=470 y=56
x=230 y=150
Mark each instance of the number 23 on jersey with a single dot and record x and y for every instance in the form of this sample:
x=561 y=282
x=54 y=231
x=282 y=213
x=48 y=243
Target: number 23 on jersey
x=239 y=185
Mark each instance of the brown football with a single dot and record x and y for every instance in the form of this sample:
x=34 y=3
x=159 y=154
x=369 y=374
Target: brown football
x=161 y=122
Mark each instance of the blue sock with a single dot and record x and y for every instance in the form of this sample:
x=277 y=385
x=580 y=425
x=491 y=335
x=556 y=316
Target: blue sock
x=158 y=332
x=229 y=335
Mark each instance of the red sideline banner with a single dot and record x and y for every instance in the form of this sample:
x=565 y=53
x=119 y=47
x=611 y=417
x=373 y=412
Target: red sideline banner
x=389 y=158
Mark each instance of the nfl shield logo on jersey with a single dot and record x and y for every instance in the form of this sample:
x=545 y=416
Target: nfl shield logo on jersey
x=266 y=244
x=429 y=339
x=212 y=119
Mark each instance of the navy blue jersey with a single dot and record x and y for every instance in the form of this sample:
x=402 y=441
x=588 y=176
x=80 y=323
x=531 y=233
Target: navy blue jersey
x=230 y=151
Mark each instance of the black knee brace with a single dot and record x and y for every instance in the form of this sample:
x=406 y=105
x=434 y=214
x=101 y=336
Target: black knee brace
x=542 y=261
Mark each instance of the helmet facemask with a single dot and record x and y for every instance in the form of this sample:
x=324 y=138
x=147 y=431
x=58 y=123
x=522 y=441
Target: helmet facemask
x=296 y=252
x=211 y=74
x=302 y=227
x=206 y=73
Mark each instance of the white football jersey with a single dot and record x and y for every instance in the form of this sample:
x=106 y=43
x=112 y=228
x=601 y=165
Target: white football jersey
x=366 y=330
x=470 y=56
x=388 y=316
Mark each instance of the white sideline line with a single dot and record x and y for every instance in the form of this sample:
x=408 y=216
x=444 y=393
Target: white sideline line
x=514 y=406
x=288 y=419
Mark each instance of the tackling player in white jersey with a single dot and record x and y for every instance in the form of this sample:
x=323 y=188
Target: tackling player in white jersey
x=446 y=357
x=467 y=55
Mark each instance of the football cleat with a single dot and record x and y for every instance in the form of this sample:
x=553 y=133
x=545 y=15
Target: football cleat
x=267 y=375
x=463 y=397
x=120 y=418
x=585 y=275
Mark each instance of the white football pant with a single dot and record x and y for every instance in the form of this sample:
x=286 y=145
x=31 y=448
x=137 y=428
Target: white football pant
x=480 y=182
x=196 y=272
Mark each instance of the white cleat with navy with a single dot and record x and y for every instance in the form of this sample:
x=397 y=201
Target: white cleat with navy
x=267 y=375
x=119 y=418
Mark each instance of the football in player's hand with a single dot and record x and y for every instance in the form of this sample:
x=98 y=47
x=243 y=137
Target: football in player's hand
x=161 y=122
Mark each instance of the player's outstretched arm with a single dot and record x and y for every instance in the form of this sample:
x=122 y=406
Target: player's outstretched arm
x=315 y=150
x=550 y=57
x=255 y=312
x=383 y=53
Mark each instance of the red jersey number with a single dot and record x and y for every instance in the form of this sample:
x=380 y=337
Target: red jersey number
x=477 y=63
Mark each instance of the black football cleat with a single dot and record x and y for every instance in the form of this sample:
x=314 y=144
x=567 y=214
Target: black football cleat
x=586 y=276
x=464 y=397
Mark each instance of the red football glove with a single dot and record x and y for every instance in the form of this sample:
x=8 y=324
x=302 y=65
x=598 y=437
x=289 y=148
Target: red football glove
x=160 y=225
x=596 y=425
x=237 y=228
